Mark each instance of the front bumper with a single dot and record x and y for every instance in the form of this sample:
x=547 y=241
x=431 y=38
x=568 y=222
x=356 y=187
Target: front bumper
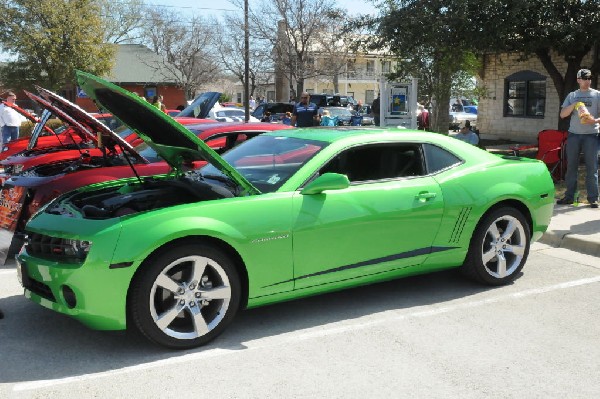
x=93 y=293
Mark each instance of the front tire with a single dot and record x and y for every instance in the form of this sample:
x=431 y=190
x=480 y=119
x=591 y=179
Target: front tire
x=185 y=296
x=499 y=247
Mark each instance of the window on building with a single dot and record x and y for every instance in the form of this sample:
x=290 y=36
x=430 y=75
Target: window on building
x=525 y=94
x=150 y=92
x=386 y=66
x=370 y=67
x=238 y=97
x=369 y=96
x=351 y=68
x=270 y=95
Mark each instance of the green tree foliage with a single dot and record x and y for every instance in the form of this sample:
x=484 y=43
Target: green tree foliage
x=50 y=39
x=552 y=31
x=436 y=38
x=431 y=40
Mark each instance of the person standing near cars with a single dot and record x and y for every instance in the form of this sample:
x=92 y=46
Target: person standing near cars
x=306 y=114
x=467 y=135
x=423 y=118
x=375 y=109
x=10 y=120
x=582 y=138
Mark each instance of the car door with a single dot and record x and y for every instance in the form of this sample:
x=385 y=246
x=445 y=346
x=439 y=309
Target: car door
x=385 y=221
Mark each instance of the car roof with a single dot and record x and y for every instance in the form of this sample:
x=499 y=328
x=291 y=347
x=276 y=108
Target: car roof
x=366 y=133
x=237 y=126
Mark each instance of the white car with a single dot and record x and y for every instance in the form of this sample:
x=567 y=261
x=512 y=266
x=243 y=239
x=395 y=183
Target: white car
x=458 y=119
x=229 y=114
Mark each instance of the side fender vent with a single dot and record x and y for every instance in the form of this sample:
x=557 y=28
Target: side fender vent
x=461 y=219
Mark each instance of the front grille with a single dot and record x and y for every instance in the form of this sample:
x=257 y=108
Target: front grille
x=52 y=248
x=40 y=288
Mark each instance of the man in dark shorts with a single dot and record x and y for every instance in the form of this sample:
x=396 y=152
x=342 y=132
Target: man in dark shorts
x=306 y=114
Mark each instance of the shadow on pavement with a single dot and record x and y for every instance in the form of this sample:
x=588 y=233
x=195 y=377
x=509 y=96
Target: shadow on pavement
x=39 y=344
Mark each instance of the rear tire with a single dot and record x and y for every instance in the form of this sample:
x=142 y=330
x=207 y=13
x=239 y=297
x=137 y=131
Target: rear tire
x=185 y=296
x=499 y=247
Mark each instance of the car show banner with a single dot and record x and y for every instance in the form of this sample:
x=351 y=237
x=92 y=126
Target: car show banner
x=11 y=204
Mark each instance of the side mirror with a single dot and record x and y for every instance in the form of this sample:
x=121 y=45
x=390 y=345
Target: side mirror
x=327 y=181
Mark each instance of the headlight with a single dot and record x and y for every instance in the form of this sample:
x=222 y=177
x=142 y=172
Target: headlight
x=76 y=248
x=54 y=248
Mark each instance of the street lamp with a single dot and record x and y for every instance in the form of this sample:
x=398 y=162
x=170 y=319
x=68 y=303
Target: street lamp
x=246 y=62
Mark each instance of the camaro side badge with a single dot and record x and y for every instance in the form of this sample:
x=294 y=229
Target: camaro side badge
x=266 y=239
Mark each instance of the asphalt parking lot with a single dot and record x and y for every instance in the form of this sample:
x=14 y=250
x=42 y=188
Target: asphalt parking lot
x=435 y=336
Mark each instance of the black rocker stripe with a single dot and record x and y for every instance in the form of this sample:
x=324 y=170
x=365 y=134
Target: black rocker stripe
x=403 y=255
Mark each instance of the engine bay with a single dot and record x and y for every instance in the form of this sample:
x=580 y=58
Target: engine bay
x=148 y=194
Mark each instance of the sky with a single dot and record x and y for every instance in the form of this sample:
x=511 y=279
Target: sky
x=224 y=6
x=218 y=8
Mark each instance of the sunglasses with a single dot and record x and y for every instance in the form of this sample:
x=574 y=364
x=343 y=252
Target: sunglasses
x=585 y=78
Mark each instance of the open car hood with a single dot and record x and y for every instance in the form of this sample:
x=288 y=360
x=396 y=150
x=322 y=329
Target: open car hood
x=201 y=106
x=170 y=139
x=94 y=128
x=35 y=134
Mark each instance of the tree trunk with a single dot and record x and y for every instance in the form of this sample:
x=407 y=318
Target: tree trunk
x=440 y=118
x=300 y=86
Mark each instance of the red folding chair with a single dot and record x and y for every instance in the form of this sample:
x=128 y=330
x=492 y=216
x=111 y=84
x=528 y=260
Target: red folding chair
x=551 y=150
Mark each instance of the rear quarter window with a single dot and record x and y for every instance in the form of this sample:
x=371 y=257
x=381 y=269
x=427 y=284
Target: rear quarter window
x=437 y=158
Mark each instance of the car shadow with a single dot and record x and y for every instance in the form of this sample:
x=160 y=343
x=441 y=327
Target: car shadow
x=39 y=344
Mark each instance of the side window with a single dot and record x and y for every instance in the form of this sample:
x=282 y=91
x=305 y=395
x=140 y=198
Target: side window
x=437 y=158
x=377 y=162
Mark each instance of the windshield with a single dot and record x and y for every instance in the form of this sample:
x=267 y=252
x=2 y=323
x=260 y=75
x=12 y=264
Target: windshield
x=230 y=112
x=267 y=161
x=340 y=112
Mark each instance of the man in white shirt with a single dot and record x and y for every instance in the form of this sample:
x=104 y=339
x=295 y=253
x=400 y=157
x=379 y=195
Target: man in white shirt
x=10 y=120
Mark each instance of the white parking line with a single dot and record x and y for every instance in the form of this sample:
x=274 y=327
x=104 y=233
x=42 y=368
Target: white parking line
x=316 y=332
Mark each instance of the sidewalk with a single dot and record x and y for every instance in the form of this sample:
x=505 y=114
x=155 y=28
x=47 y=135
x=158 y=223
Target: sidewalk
x=576 y=228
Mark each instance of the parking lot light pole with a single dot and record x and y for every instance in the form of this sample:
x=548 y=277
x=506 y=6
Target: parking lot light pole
x=246 y=63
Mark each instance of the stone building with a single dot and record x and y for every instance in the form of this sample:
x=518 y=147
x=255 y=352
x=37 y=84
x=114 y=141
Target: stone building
x=521 y=98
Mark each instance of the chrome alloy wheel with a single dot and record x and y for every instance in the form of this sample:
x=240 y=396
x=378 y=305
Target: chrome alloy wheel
x=190 y=297
x=504 y=246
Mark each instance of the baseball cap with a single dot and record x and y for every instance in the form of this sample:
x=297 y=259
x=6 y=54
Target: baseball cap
x=584 y=74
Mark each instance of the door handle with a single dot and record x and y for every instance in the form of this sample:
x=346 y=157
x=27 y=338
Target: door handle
x=425 y=196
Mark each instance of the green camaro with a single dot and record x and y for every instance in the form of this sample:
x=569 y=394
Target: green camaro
x=281 y=216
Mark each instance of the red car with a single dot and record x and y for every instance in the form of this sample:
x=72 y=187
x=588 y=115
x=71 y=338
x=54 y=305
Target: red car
x=24 y=193
x=80 y=138
x=46 y=138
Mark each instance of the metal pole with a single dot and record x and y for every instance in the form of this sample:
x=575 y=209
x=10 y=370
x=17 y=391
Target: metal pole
x=246 y=63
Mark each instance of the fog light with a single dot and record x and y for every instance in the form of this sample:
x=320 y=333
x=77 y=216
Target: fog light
x=69 y=296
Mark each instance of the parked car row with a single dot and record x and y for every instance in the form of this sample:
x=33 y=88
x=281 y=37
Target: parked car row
x=176 y=253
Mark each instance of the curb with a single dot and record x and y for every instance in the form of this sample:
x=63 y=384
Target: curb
x=584 y=244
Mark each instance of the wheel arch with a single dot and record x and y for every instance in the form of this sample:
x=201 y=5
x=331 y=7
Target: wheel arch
x=220 y=244
x=513 y=203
